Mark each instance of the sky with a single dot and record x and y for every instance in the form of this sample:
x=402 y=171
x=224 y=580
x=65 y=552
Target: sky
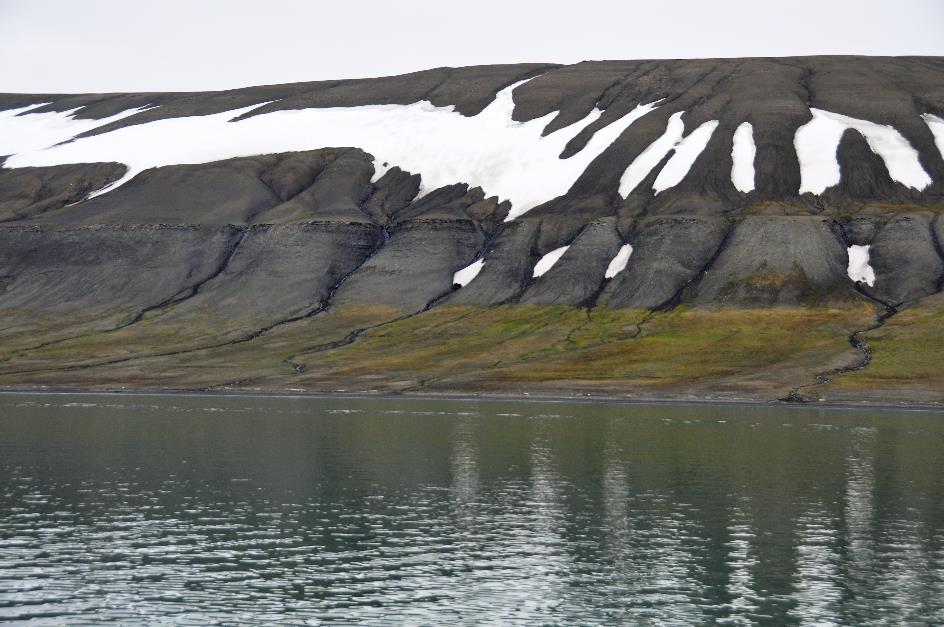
x=183 y=45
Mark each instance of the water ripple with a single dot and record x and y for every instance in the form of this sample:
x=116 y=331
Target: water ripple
x=146 y=512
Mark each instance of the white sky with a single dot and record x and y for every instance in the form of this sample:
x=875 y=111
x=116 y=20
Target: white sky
x=162 y=45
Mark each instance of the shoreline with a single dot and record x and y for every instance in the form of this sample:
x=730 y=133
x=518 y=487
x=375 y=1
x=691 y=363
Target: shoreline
x=473 y=397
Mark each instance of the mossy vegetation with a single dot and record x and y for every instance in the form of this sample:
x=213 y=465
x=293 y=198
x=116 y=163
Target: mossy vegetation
x=543 y=348
x=906 y=354
x=553 y=350
x=451 y=340
x=885 y=207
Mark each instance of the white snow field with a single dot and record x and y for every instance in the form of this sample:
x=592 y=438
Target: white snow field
x=507 y=159
x=742 y=158
x=817 y=142
x=649 y=158
x=22 y=132
x=465 y=275
x=547 y=262
x=936 y=125
x=859 y=269
x=618 y=263
x=686 y=149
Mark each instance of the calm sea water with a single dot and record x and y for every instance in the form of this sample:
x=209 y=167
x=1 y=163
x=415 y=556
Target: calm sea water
x=206 y=510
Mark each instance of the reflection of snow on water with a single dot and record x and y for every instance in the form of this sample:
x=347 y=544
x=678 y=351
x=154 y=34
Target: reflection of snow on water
x=817 y=586
x=742 y=561
x=482 y=511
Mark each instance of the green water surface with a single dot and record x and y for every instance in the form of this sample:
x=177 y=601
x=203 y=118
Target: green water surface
x=238 y=510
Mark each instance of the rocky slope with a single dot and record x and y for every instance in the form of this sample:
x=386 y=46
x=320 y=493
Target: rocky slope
x=646 y=228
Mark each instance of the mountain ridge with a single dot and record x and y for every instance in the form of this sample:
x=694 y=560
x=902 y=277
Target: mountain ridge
x=336 y=240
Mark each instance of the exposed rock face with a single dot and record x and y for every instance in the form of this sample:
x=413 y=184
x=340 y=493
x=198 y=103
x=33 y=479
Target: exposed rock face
x=256 y=242
x=93 y=271
x=27 y=193
x=579 y=274
x=907 y=264
x=509 y=264
x=278 y=271
x=669 y=254
x=415 y=266
x=778 y=261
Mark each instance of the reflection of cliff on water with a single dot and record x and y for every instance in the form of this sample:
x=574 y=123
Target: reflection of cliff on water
x=480 y=511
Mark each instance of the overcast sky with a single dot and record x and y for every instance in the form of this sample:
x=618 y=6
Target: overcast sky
x=137 y=45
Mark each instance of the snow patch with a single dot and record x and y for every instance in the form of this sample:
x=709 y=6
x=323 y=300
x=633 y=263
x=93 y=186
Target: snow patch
x=547 y=261
x=380 y=168
x=742 y=158
x=686 y=151
x=129 y=174
x=649 y=158
x=618 y=263
x=9 y=113
x=859 y=269
x=936 y=125
x=507 y=159
x=465 y=275
x=817 y=143
x=24 y=132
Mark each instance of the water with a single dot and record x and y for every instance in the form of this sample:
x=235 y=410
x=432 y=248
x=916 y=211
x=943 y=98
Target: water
x=207 y=510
